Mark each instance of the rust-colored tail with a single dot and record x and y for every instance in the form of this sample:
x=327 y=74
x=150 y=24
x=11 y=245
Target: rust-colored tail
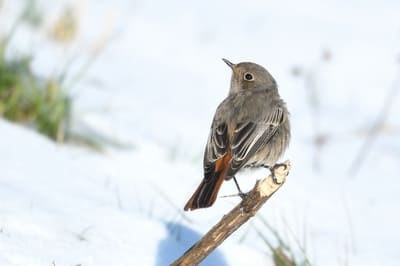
x=206 y=193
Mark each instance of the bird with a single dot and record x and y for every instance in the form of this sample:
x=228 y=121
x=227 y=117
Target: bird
x=251 y=128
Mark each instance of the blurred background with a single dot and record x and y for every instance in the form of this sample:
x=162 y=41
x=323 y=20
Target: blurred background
x=105 y=108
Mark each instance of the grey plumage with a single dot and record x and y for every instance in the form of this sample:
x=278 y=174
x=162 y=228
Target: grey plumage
x=250 y=129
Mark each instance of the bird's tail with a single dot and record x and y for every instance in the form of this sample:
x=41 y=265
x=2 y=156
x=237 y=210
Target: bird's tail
x=206 y=193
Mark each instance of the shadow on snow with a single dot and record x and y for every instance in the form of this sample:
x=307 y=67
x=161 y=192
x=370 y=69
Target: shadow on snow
x=179 y=239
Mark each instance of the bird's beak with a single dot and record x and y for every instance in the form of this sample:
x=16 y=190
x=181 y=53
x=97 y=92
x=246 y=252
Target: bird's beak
x=229 y=63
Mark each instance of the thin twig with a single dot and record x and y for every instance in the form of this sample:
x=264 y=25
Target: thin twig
x=376 y=127
x=306 y=261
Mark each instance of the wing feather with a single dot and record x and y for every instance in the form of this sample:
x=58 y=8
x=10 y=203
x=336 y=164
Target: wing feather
x=250 y=137
x=216 y=148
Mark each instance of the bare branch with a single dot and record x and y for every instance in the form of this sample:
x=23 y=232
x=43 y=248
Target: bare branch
x=239 y=215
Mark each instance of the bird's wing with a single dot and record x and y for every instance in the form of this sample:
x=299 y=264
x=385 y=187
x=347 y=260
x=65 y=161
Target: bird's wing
x=250 y=137
x=216 y=148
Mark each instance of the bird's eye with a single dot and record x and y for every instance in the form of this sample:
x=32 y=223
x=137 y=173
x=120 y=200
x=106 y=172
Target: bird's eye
x=248 y=77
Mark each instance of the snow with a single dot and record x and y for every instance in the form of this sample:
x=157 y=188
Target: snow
x=155 y=87
x=61 y=204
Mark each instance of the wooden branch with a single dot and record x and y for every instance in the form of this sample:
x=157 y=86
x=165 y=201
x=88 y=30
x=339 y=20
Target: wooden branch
x=239 y=215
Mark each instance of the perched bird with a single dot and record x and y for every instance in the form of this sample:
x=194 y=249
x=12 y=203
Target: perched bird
x=250 y=129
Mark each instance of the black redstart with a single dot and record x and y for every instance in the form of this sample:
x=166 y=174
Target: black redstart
x=250 y=129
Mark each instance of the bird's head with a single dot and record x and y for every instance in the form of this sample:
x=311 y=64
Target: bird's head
x=249 y=76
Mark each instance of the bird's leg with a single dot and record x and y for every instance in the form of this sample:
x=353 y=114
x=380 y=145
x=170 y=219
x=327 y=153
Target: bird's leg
x=241 y=194
x=272 y=169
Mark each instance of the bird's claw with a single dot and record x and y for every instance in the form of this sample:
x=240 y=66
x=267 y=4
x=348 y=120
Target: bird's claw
x=243 y=195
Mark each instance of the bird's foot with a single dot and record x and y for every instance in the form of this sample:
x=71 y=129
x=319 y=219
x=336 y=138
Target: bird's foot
x=240 y=192
x=243 y=195
x=242 y=206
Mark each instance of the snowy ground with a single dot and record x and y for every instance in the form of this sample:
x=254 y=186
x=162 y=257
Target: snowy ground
x=156 y=86
x=70 y=206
